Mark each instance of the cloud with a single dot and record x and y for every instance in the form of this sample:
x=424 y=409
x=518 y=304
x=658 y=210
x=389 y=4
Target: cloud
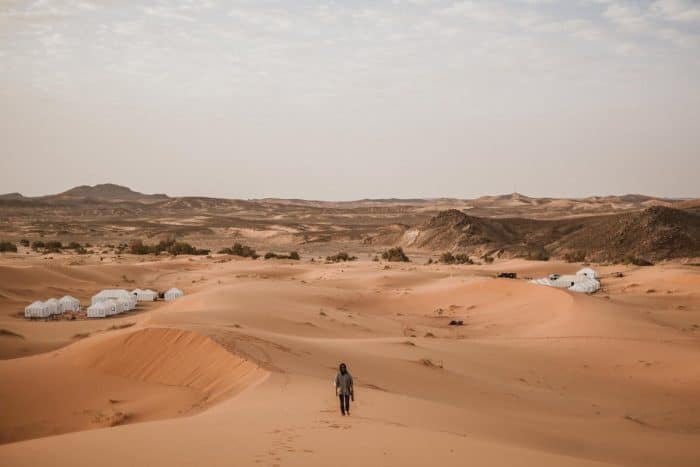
x=676 y=10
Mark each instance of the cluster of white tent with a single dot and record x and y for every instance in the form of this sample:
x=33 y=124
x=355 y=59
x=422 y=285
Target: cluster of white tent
x=585 y=280
x=107 y=302
x=51 y=307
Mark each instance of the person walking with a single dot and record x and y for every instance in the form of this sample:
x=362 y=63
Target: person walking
x=344 y=388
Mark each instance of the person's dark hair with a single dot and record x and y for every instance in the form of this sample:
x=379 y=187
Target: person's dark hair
x=343 y=368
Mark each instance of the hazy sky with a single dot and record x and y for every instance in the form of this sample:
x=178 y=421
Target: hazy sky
x=351 y=99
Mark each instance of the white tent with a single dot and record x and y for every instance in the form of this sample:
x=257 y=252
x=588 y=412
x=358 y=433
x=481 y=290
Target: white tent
x=150 y=295
x=35 y=310
x=53 y=307
x=113 y=307
x=115 y=294
x=97 y=310
x=69 y=303
x=173 y=293
x=123 y=304
x=585 y=284
x=587 y=272
x=144 y=295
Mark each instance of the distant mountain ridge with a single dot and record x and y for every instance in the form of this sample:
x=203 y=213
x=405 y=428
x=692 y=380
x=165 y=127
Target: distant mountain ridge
x=109 y=192
x=654 y=233
x=604 y=228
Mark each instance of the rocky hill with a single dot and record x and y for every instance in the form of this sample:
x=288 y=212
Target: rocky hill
x=106 y=192
x=654 y=233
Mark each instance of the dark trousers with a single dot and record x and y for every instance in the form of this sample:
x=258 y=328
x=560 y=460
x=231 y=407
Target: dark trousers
x=344 y=403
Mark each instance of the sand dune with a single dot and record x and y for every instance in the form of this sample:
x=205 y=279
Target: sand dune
x=536 y=376
x=116 y=379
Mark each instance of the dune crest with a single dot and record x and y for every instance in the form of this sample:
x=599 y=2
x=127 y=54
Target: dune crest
x=169 y=356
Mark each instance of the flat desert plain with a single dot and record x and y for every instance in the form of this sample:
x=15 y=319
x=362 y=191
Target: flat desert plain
x=240 y=370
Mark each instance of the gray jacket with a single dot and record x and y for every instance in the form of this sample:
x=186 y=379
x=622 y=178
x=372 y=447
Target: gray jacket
x=343 y=384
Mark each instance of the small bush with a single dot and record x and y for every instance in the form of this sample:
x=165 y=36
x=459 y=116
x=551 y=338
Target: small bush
x=488 y=259
x=460 y=258
x=292 y=255
x=7 y=247
x=341 y=256
x=575 y=256
x=24 y=242
x=240 y=250
x=395 y=254
x=72 y=246
x=137 y=247
x=53 y=246
x=37 y=245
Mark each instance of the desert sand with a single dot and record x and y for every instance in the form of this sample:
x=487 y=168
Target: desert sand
x=240 y=370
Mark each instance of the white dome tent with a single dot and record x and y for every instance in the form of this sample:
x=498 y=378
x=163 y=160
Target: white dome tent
x=173 y=294
x=97 y=310
x=588 y=272
x=147 y=295
x=69 y=303
x=123 y=305
x=53 y=307
x=115 y=294
x=585 y=284
x=35 y=310
x=113 y=307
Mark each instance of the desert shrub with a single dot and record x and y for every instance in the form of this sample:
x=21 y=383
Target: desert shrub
x=459 y=258
x=292 y=255
x=181 y=248
x=24 y=242
x=244 y=251
x=6 y=246
x=462 y=258
x=631 y=259
x=488 y=259
x=538 y=254
x=72 y=246
x=225 y=251
x=53 y=246
x=447 y=258
x=578 y=256
x=37 y=245
x=395 y=254
x=341 y=256
x=430 y=261
x=137 y=247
